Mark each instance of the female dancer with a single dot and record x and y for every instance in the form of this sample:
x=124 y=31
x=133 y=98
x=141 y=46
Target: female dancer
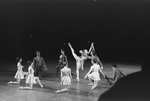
x=19 y=74
x=93 y=74
x=79 y=60
x=31 y=79
x=96 y=58
x=66 y=78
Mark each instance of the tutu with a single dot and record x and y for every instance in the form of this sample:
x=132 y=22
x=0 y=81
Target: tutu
x=31 y=79
x=94 y=76
x=19 y=75
x=66 y=80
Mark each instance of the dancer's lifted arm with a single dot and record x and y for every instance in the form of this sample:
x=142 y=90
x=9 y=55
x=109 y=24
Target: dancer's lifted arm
x=102 y=72
x=121 y=73
x=91 y=48
x=66 y=60
x=72 y=50
x=100 y=63
x=88 y=73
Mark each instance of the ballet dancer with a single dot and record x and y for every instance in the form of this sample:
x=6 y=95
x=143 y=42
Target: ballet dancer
x=66 y=78
x=62 y=58
x=93 y=74
x=31 y=79
x=39 y=65
x=79 y=60
x=117 y=74
x=19 y=74
x=85 y=52
x=95 y=57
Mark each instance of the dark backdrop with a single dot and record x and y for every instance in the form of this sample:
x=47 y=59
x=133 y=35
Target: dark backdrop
x=115 y=26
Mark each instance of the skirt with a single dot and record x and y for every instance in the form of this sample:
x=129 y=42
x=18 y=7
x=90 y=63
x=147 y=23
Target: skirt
x=19 y=75
x=31 y=79
x=66 y=80
x=94 y=76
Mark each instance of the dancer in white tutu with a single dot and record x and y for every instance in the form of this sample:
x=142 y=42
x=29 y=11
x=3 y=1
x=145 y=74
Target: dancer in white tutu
x=79 y=59
x=96 y=58
x=19 y=74
x=93 y=74
x=31 y=79
x=66 y=78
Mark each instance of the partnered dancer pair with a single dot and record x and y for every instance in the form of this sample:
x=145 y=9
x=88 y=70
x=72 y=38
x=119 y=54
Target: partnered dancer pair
x=84 y=56
x=80 y=59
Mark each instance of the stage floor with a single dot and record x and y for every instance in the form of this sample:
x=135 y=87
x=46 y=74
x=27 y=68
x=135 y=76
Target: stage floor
x=78 y=91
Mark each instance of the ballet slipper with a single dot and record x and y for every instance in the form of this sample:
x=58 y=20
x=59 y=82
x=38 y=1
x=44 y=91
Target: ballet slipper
x=21 y=87
x=93 y=87
x=42 y=86
x=10 y=82
x=90 y=84
x=57 y=91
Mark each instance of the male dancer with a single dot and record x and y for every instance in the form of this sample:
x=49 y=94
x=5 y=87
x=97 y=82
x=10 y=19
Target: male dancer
x=39 y=65
x=62 y=59
x=117 y=74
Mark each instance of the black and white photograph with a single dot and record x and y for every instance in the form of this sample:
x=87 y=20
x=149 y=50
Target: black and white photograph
x=74 y=50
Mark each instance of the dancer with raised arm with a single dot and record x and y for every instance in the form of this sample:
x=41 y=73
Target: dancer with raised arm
x=19 y=74
x=31 y=79
x=93 y=74
x=96 y=58
x=79 y=60
x=66 y=78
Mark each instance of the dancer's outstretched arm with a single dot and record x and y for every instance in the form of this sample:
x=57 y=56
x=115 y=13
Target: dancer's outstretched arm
x=113 y=73
x=101 y=72
x=66 y=61
x=92 y=47
x=72 y=50
x=99 y=62
x=44 y=65
x=88 y=73
x=121 y=73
